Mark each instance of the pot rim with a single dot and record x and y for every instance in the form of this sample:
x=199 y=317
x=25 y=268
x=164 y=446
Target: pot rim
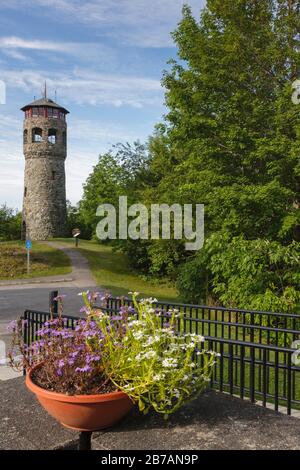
x=39 y=391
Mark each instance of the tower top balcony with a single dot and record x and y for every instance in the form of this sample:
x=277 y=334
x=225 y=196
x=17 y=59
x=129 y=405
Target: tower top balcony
x=44 y=107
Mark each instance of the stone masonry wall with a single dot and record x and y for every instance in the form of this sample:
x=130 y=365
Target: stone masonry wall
x=44 y=201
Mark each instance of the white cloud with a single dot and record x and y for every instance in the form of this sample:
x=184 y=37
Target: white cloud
x=87 y=131
x=142 y=23
x=12 y=161
x=88 y=87
x=14 y=42
x=15 y=47
x=15 y=54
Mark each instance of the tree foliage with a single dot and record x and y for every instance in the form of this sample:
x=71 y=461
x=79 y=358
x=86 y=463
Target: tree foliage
x=230 y=140
x=10 y=223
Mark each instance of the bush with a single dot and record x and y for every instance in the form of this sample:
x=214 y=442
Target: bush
x=251 y=274
x=10 y=223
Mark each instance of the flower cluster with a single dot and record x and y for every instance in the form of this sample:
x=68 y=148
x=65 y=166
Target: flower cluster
x=139 y=350
x=154 y=364
x=71 y=358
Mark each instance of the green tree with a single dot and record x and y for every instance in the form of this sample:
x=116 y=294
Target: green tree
x=118 y=173
x=10 y=223
x=231 y=136
x=232 y=130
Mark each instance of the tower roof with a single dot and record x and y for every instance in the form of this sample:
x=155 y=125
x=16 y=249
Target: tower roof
x=44 y=102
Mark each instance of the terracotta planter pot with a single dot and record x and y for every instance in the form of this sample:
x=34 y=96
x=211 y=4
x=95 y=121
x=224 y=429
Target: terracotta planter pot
x=82 y=412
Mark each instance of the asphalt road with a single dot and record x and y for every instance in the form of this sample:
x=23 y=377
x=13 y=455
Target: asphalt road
x=13 y=302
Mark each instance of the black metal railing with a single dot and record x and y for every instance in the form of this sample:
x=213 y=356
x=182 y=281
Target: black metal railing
x=255 y=347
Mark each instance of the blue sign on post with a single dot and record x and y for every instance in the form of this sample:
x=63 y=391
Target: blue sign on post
x=28 y=244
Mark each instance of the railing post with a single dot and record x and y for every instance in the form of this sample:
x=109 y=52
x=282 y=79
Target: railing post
x=25 y=334
x=53 y=304
x=85 y=440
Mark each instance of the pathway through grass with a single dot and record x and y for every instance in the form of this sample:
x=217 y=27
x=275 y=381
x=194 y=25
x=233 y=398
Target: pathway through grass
x=45 y=261
x=112 y=272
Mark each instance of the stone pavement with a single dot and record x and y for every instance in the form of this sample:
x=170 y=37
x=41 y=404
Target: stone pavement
x=213 y=421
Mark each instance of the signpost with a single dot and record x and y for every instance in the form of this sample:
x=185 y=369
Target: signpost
x=28 y=245
x=76 y=232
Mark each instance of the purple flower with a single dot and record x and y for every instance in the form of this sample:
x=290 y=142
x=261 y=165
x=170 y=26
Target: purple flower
x=85 y=368
x=74 y=354
x=92 y=358
x=116 y=318
x=84 y=310
x=12 y=326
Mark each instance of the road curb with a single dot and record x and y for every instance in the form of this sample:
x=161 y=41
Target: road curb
x=33 y=281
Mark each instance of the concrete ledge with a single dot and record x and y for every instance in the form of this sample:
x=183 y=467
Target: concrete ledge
x=24 y=424
x=214 y=421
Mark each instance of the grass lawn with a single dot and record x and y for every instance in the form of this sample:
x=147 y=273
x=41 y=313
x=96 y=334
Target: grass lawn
x=45 y=261
x=111 y=271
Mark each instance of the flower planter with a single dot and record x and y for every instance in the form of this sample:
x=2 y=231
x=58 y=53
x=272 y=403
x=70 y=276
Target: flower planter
x=82 y=412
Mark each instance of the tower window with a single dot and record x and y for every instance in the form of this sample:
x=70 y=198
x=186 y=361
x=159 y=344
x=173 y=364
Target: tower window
x=52 y=136
x=23 y=235
x=53 y=175
x=64 y=138
x=25 y=136
x=25 y=191
x=37 y=135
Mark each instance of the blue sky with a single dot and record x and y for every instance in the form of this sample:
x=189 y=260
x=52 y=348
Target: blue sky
x=105 y=59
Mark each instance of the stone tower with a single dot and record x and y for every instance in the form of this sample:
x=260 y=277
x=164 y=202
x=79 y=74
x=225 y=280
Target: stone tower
x=45 y=151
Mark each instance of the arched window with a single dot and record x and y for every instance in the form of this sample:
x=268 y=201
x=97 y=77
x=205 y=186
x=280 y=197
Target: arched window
x=25 y=136
x=52 y=136
x=64 y=136
x=37 y=135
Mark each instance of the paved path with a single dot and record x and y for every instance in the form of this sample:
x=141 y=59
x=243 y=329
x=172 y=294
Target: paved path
x=34 y=294
x=213 y=421
x=81 y=274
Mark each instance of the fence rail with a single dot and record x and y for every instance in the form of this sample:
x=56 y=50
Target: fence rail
x=255 y=347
